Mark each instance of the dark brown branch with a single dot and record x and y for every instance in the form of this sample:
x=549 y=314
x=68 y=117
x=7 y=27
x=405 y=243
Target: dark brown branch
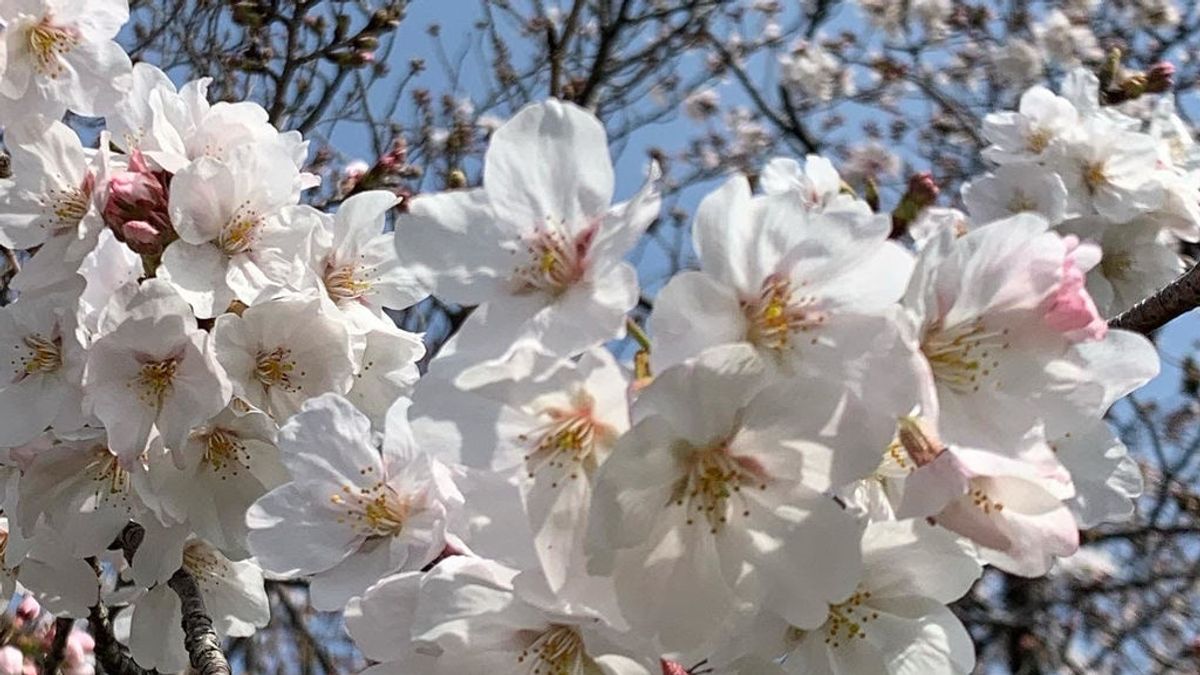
x=1169 y=303
x=203 y=645
x=58 y=648
x=108 y=651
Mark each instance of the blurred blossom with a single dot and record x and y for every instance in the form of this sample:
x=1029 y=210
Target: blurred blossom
x=1067 y=42
x=702 y=104
x=811 y=71
x=12 y=661
x=870 y=160
x=1018 y=62
x=932 y=15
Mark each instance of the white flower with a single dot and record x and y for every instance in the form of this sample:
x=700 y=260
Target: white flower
x=61 y=56
x=896 y=621
x=185 y=127
x=1110 y=171
x=812 y=292
x=1022 y=136
x=714 y=500
x=238 y=231
x=811 y=70
x=79 y=490
x=280 y=353
x=1010 y=504
x=350 y=515
x=471 y=617
x=46 y=567
x=539 y=240
x=50 y=193
x=816 y=184
x=357 y=262
x=1136 y=260
x=155 y=371
x=1013 y=189
x=995 y=311
x=387 y=370
x=226 y=464
x=1018 y=62
x=41 y=387
x=233 y=597
x=557 y=425
x=1066 y=42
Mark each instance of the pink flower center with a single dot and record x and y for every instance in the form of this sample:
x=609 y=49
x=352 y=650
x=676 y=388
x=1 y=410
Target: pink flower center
x=557 y=261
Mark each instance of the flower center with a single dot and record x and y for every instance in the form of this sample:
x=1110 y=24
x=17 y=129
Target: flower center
x=44 y=356
x=556 y=262
x=241 y=232
x=276 y=369
x=155 y=381
x=714 y=477
x=777 y=313
x=1039 y=140
x=224 y=452
x=1116 y=265
x=49 y=44
x=374 y=511
x=1021 y=202
x=848 y=620
x=67 y=206
x=963 y=356
x=111 y=480
x=346 y=282
x=1095 y=176
x=572 y=437
x=556 y=651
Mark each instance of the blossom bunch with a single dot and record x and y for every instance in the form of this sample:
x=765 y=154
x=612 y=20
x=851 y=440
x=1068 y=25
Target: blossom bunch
x=827 y=433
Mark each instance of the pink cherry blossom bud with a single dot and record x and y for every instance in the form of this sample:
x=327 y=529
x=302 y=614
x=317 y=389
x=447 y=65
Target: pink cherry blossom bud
x=1071 y=310
x=12 y=661
x=77 y=658
x=29 y=609
x=1160 y=78
x=136 y=207
x=672 y=668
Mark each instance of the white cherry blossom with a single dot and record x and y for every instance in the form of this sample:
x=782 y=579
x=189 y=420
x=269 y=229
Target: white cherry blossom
x=350 y=514
x=60 y=55
x=281 y=353
x=540 y=240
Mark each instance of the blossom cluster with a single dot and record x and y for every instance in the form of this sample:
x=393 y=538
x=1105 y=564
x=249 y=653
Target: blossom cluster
x=827 y=433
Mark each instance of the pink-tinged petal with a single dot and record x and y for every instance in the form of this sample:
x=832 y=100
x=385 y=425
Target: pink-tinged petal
x=1070 y=310
x=931 y=488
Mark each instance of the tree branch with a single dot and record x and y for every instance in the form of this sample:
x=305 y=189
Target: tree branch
x=1169 y=303
x=109 y=652
x=58 y=648
x=203 y=645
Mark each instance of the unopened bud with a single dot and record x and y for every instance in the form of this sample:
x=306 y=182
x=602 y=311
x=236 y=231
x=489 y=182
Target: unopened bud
x=919 y=439
x=922 y=192
x=672 y=668
x=1160 y=78
x=456 y=179
x=136 y=207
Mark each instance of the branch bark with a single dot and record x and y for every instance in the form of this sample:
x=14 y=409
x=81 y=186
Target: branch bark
x=109 y=653
x=58 y=648
x=203 y=645
x=1169 y=303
